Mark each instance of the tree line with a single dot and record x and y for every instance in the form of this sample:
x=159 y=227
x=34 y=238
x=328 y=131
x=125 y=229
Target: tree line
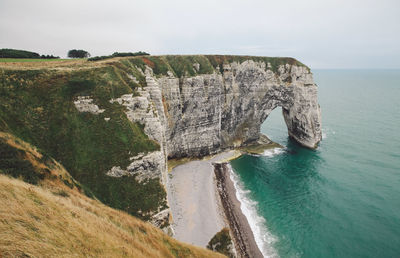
x=73 y=53
x=118 y=54
x=15 y=53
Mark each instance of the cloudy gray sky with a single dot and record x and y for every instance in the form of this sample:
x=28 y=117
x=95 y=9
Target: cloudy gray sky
x=320 y=33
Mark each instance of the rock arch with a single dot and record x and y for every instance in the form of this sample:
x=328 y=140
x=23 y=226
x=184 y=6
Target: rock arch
x=207 y=113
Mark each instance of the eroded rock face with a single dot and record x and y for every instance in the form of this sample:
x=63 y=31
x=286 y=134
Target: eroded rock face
x=85 y=104
x=211 y=112
x=204 y=114
x=143 y=166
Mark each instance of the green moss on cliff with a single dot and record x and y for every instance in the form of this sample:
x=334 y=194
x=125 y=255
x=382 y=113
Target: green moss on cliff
x=183 y=65
x=275 y=62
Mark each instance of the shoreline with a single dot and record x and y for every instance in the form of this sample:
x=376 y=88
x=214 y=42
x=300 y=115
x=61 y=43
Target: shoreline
x=203 y=199
x=197 y=212
x=243 y=236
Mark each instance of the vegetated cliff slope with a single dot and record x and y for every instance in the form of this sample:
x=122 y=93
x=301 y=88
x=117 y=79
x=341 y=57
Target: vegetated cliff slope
x=113 y=123
x=51 y=217
x=37 y=105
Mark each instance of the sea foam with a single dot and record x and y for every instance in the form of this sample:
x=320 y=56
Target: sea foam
x=263 y=237
x=327 y=131
x=273 y=152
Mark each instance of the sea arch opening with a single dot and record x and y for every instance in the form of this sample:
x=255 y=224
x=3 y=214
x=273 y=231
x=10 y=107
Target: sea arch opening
x=275 y=128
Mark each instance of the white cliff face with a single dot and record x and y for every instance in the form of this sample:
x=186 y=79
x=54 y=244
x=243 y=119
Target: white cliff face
x=204 y=114
x=142 y=109
x=193 y=114
x=210 y=112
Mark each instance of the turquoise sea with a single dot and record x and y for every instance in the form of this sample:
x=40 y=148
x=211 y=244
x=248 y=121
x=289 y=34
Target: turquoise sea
x=343 y=199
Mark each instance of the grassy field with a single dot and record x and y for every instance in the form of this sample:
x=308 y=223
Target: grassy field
x=18 y=60
x=54 y=219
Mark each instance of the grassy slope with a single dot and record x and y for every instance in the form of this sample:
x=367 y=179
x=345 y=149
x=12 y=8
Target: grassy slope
x=53 y=218
x=36 y=104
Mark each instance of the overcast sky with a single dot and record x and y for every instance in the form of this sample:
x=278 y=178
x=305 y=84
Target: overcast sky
x=320 y=33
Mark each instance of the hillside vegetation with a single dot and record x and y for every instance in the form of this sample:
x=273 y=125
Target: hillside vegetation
x=37 y=106
x=54 y=219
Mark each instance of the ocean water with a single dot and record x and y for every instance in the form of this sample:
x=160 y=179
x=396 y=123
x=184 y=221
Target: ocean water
x=343 y=199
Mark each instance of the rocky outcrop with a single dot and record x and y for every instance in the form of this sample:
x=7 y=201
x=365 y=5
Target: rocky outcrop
x=85 y=104
x=210 y=112
x=143 y=166
x=142 y=109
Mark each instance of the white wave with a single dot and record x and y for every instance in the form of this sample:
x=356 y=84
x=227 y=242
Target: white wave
x=327 y=131
x=272 y=152
x=263 y=237
x=269 y=152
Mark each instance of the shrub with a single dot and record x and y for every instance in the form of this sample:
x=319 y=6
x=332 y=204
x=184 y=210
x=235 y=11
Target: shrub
x=222 y=243
x=140 y=53
x=49 y=57
x=74 y=53
x=118 y=54
x=98 y=58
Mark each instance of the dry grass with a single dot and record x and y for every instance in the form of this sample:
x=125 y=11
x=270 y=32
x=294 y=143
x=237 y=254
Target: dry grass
x=54 y=173
x=73 y=64
x=54 y=219
x=36 y=222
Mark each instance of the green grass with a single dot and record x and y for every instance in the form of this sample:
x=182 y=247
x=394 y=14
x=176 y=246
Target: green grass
x=182 y=65
x=24 y=60
x=219 y=60
x=37 y=106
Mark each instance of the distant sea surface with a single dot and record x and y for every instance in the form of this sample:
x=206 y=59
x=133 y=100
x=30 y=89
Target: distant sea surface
x=343 y=199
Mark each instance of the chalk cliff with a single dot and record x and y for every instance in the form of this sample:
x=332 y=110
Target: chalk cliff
x=193 y=116
x=114 y=123
x=211 y=112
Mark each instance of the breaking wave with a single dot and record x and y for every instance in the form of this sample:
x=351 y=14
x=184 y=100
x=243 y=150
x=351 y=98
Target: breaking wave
x=263 y=237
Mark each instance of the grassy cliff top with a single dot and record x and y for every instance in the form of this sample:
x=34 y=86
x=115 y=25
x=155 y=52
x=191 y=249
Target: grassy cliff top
x=178 y=64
